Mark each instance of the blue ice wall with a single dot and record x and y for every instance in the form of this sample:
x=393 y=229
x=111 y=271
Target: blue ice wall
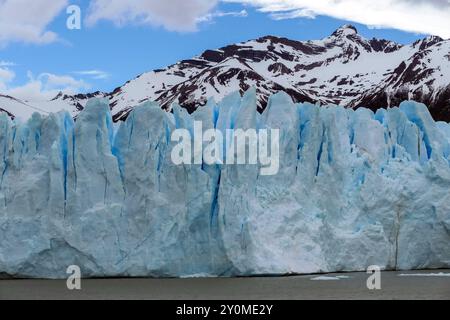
x=354 y=189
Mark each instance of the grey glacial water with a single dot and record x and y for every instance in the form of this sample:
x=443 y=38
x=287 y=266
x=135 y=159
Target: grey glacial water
x=352 y=286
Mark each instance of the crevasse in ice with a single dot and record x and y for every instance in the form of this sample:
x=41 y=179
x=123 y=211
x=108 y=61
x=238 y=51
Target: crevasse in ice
x=354 y=189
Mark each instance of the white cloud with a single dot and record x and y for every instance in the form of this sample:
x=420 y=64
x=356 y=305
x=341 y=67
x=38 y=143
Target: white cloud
x=420 y=16
x=302 y=13
x=174 y=15
x=43 y=87
x=219 y=14
x=52 y=81
x=27 y=20
x=6 y=64
x=6 y=76
x=94 y=74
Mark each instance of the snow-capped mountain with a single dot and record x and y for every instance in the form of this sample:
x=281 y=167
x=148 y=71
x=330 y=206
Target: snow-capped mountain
x=344 y=68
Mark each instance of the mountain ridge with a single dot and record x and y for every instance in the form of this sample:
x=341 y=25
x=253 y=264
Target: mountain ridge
x=344 y=68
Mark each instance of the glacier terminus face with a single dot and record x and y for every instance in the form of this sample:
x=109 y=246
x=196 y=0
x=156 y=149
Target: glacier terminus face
x=251 y=146
x=352 y=189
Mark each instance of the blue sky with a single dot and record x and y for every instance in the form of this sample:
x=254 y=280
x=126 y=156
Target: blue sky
x=104 y=55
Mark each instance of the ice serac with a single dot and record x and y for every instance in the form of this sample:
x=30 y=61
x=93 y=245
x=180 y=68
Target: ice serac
x=353 y=189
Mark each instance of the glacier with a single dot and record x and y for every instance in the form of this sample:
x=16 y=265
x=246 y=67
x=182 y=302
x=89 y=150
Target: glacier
x=354 y=189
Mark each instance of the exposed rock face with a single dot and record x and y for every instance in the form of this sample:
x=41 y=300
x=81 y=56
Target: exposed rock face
x=354 y=189
x=344 y=69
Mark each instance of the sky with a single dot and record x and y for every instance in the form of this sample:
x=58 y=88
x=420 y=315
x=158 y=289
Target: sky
x=118 y=40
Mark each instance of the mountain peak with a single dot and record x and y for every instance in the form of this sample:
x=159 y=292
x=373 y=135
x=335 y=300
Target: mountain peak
x=345 y=30
x=427 y=42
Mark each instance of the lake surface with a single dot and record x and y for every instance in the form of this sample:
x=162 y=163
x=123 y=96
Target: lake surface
x=394 y=285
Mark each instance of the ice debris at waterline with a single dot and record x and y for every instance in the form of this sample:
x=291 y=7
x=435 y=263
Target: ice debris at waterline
x=354 y=189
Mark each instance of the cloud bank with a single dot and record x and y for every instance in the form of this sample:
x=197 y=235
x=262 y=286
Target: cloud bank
x=419 y=16
x=174 y=15
x=43 y=87
x=27 y=20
